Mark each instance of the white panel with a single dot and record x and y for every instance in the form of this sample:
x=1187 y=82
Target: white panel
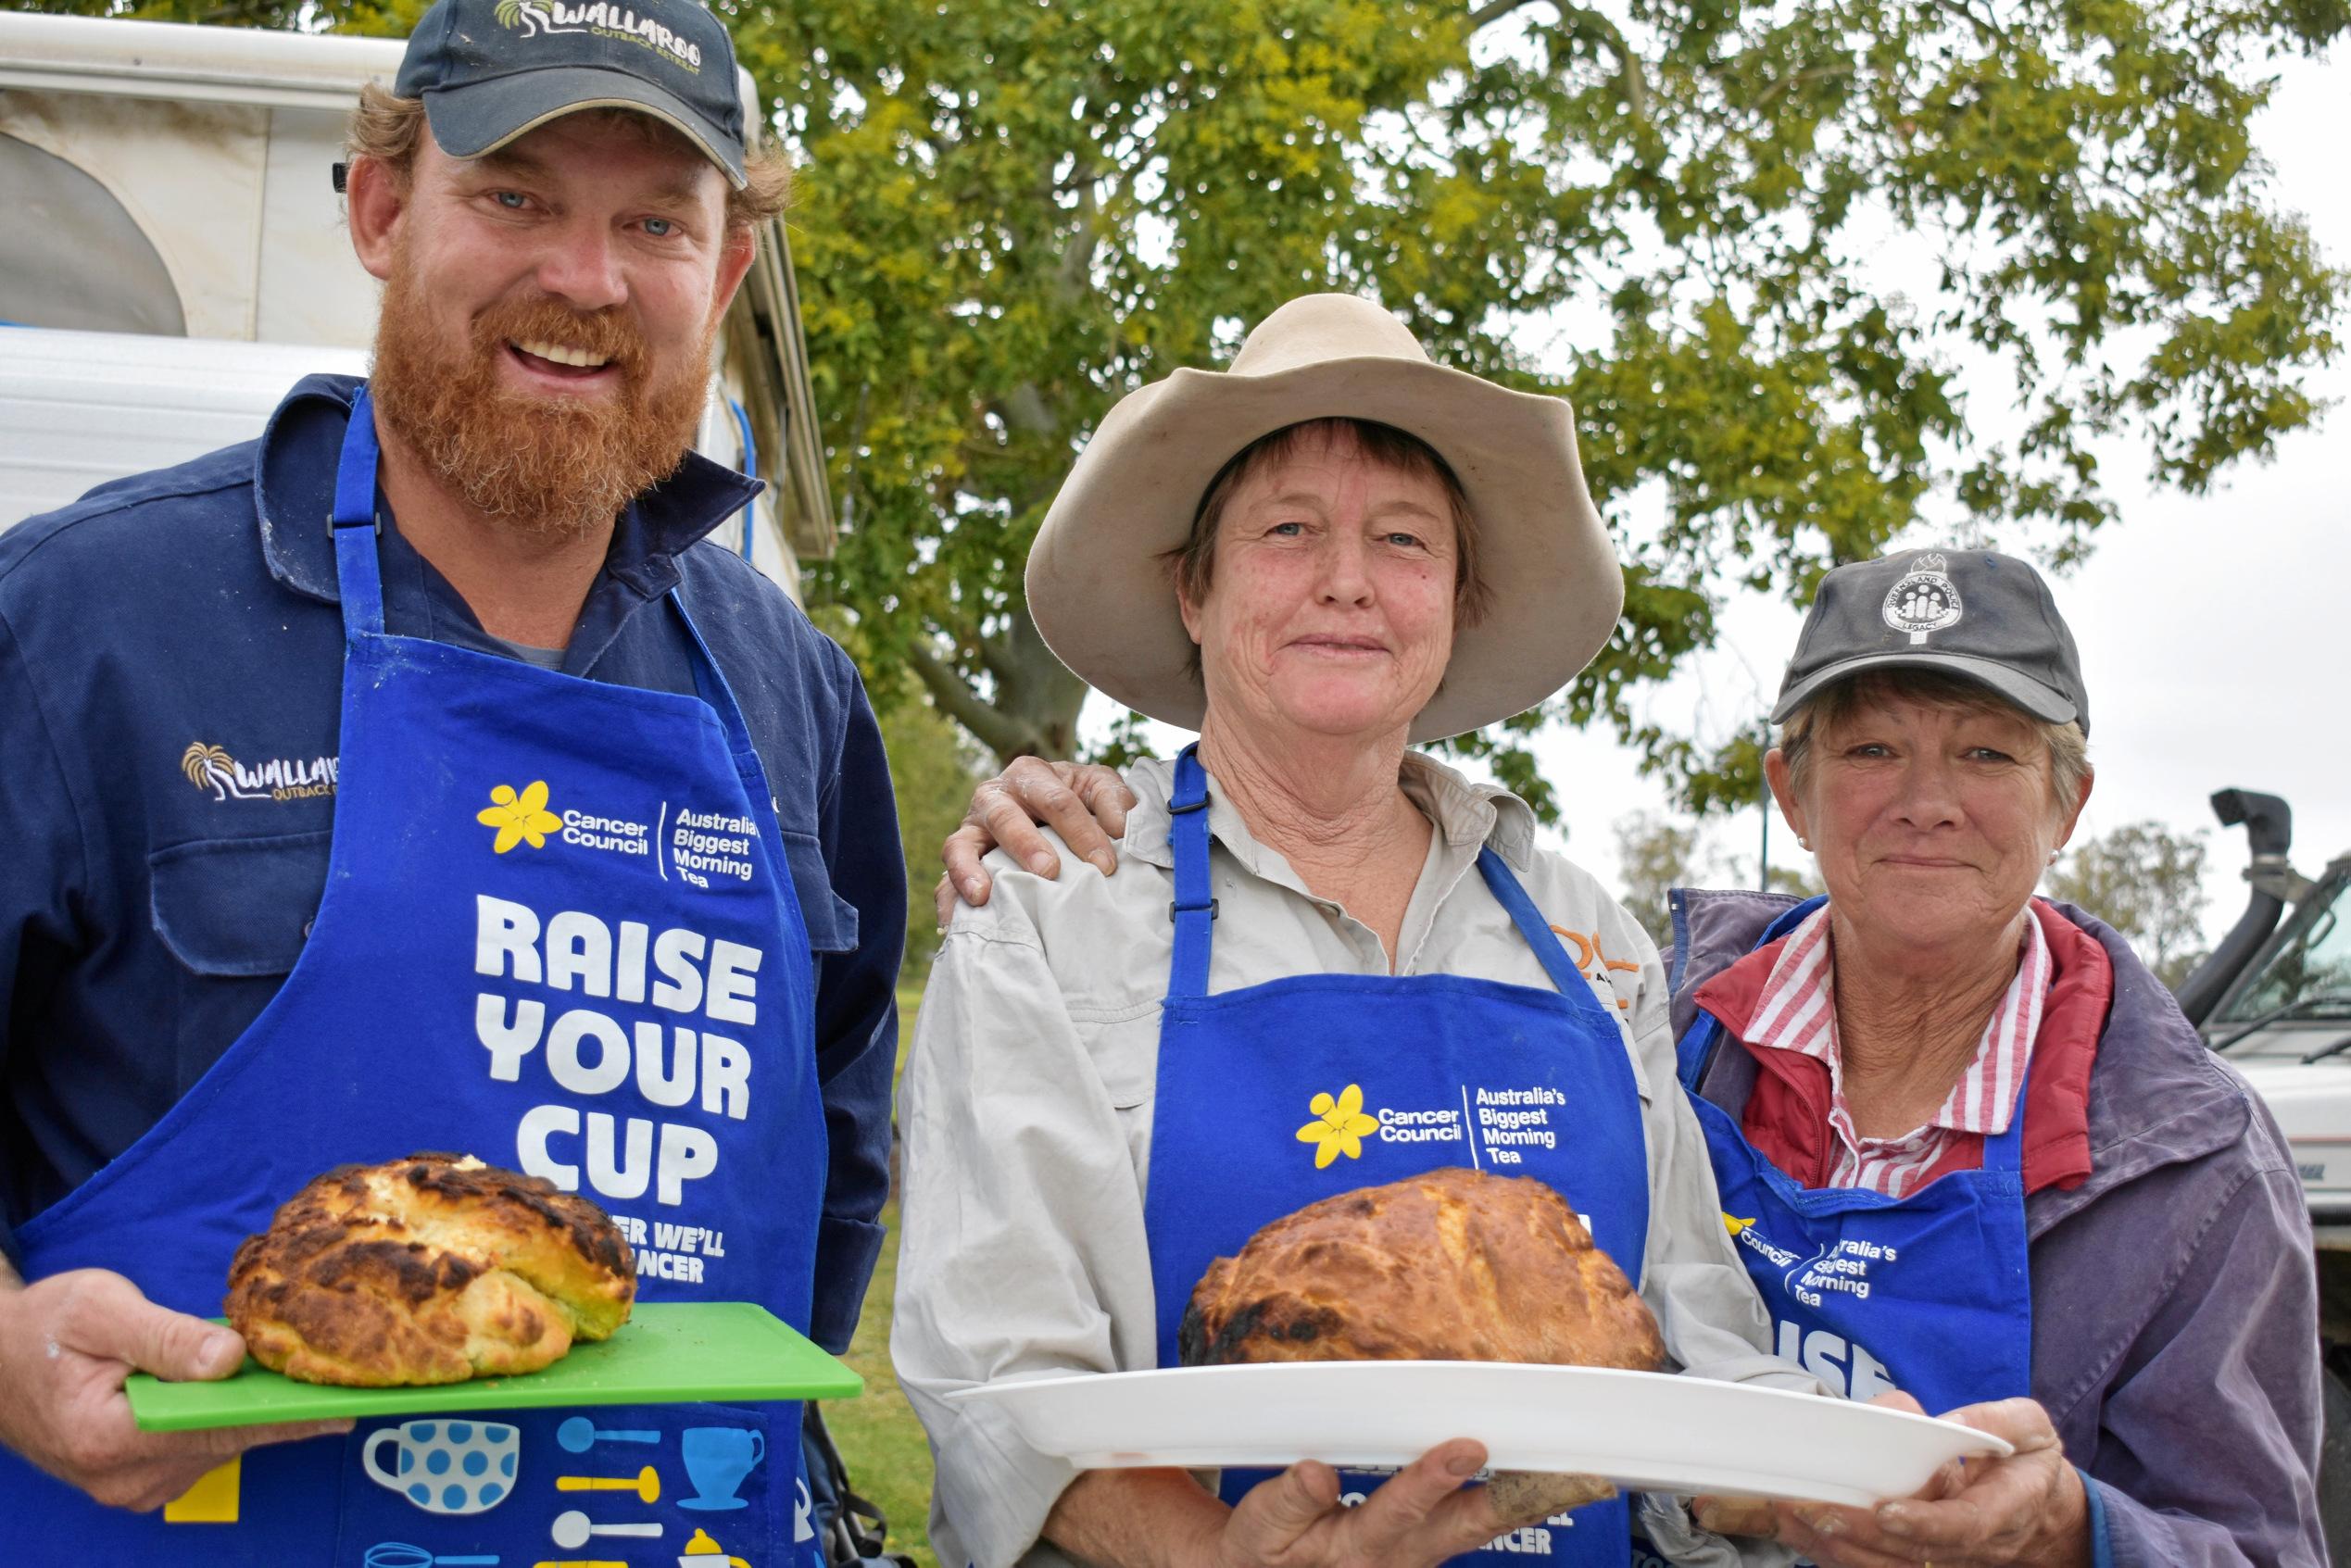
x=80 y=408
x=312 y=288
x=240 y=65
x=189 y=174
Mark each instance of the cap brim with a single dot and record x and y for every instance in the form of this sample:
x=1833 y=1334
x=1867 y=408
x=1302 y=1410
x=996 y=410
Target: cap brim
x=480 y=117
x=2041 y=702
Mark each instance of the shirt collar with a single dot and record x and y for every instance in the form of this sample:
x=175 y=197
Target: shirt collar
x=1467 y=814
x=294 y=484
x=1796 y=1011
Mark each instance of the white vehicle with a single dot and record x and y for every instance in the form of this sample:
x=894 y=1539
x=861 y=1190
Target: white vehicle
x=175 y=261
x=2274 y=1000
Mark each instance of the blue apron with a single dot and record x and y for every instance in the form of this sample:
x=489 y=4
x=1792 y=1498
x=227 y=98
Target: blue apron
x=1931 y=1294
x=1392 y=1076
x=558 y=932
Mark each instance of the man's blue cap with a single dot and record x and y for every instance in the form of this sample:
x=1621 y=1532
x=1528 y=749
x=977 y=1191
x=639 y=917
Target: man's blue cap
x=488 y=70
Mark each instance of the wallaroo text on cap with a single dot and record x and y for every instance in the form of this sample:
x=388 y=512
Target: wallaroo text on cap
x=1980 y=615
x=488 y=70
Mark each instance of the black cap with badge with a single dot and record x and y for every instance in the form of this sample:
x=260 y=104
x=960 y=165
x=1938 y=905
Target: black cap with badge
x=488 y=70
x=1983 y=617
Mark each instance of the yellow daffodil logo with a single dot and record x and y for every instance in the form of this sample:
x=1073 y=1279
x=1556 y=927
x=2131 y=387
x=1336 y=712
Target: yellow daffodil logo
x=519 y=817
x=1338 y=1127
x=1734 y=1225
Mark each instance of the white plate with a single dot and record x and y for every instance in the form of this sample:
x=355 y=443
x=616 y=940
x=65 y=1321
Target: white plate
x=1645 y=1431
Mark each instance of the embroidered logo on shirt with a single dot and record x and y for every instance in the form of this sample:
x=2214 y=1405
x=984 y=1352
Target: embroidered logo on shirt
x=1338 y=1127
x=210 y=768
x=1925 y=601
x=1595 y=965
x=519 y=819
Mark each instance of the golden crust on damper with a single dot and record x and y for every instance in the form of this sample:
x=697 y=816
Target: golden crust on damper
x=1453 y=1265
x=432 y=1269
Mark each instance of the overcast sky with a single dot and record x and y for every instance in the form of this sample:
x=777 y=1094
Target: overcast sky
x=2215 y=631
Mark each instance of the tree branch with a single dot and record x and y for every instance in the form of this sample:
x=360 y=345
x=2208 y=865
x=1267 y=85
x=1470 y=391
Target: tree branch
x=999 y=733
x=1480 y=15
x=1582 y=21
x=1023 y=408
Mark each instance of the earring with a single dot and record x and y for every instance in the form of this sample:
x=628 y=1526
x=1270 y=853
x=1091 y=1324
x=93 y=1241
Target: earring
x=1803 y=843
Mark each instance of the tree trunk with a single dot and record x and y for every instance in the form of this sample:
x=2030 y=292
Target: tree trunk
x=1034 y=708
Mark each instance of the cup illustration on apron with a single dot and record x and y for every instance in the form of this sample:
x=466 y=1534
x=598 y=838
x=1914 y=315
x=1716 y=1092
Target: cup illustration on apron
x=716 y=1459
x=445 y=1466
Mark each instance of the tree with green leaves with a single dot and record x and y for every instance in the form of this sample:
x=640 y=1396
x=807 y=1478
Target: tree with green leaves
x=1013 y=213
x=1656 y=854
x=2147 y=883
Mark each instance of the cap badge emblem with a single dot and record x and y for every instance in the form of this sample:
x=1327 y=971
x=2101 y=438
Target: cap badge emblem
x=1925 y=601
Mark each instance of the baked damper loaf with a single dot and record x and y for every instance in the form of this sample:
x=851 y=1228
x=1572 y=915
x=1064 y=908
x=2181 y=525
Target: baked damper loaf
x=1453 y=1266
x=1449 y=1266
x=432 y=1269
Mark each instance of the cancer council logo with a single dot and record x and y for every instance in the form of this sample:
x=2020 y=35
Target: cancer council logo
x=1339 y=1126
x=519 y=818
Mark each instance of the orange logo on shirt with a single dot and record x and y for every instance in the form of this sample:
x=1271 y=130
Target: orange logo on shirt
x=1587 y=949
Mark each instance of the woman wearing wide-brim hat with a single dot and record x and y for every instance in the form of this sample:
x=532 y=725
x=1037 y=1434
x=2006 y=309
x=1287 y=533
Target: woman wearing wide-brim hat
x=1330 y=550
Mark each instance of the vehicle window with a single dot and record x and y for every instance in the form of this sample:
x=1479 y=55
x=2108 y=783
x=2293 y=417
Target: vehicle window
x=2310 y=970
x=72 y=256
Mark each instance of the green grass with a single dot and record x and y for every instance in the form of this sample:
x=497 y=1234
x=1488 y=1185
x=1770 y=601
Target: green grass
x=888 y=1459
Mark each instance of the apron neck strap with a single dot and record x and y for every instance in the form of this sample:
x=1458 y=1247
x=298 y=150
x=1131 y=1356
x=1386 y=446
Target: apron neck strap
x=1531 y=926
x=1193 y=910
x=359 y=576
x=710 y=686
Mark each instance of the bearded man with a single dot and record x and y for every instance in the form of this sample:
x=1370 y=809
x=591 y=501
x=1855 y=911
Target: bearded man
x=525 y=823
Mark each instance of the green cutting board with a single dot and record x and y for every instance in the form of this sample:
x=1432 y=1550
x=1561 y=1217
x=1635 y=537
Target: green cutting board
x=666 y=1353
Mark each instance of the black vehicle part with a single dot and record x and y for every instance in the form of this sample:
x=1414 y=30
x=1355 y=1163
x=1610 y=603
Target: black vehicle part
x=2294 y=1009
x=2335 y=1451
x=2269 y=824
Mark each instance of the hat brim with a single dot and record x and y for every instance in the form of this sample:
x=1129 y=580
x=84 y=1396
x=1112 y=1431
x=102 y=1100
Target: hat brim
x=1102 y=595
x=479 y=118
x=2041 y=701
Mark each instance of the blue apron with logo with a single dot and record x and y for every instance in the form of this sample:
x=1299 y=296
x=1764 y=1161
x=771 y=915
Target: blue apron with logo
x=1392 y=1076
x=558 y=932
x=1931 y=1294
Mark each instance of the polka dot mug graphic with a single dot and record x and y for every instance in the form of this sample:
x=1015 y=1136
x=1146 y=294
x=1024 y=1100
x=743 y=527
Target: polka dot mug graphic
x=445 y=1466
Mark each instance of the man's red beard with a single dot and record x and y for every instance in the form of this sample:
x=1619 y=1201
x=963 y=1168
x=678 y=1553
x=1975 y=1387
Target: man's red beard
x=541 y=464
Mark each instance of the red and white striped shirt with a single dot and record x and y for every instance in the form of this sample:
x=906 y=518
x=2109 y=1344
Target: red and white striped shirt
x=1797 y=1012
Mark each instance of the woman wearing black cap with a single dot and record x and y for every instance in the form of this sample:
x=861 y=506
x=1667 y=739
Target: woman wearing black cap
x=1969 y=1148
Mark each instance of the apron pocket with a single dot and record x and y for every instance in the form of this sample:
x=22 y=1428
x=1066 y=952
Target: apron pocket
x=238 y=907
x=644 y=1485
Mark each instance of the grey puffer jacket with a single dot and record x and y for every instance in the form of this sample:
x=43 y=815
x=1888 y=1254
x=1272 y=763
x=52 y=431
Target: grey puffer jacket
x=2175 y=1336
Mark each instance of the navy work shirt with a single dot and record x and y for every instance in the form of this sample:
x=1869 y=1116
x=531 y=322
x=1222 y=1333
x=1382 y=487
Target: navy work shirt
x=171 y=673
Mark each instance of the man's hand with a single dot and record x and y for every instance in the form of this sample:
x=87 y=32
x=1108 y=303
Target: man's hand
x=1418 y=1517
x=66 y=1345
x=2029 y=1508
x=1082 y=801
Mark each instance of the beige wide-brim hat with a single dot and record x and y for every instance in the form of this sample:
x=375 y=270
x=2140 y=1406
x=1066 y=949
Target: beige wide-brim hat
x=1103 y=596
